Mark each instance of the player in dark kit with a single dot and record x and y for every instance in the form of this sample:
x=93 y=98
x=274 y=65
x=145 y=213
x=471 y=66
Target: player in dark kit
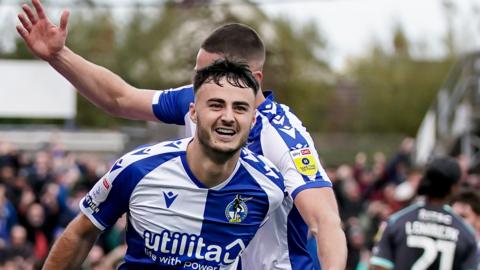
x=428 y=235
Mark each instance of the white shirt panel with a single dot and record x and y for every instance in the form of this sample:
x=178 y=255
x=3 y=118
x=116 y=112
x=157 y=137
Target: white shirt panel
x=184 y=214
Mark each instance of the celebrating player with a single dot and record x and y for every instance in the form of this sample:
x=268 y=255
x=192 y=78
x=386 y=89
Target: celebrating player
x=172 y=200
x=277 y=134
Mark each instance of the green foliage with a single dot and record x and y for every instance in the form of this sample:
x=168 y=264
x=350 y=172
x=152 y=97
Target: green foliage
x=395 y=89
x=156 y=48
x=21 y=51
x=92 y=35
x=297 y=72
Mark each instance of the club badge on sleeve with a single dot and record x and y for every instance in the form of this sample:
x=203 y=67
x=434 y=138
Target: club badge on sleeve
x=304 y=161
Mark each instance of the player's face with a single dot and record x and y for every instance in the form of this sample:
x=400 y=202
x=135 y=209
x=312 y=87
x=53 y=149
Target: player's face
x=224 y=116
x=466 y=212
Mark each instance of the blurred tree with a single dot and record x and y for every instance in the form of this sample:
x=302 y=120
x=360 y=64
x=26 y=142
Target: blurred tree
x=297 y=70
x=395 y=89
x=155 y=48
x=93 y=36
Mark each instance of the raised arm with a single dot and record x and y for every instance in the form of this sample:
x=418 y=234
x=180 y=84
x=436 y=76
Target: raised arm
x=98 y=84
x=318 y=208
x=71 y=249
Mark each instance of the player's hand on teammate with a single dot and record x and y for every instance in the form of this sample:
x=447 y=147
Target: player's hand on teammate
x=44 y=38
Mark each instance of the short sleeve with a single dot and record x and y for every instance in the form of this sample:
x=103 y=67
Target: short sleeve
x=171 y=106
x=296 y=159
x=382 y=252
x=109 y=198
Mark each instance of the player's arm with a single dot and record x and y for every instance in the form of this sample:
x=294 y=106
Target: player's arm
x=70 y=250
x=104 y=88
x=471 y=260
x=382 y=255
x=100 y=209
x=318 y=208
x=101 y=86
x=311 y=192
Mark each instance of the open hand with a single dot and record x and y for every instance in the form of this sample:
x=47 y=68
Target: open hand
x=43 y=37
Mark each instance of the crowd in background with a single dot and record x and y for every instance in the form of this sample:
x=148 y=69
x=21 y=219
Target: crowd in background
x=39 y=196
x=40 y=192
x=368 y=195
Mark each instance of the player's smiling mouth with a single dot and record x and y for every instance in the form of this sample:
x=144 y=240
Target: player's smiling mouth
x=225 y=131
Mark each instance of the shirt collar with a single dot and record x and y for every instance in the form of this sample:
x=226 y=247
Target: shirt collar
x=269 y=99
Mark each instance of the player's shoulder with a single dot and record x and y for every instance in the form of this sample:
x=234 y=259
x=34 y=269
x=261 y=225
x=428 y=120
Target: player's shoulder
x=279 y=115
x=279 y=119
x=160 y=147
x=404 y=214
x=164 y=150
x=183 y=92
x=262 y=168
x=186 y=89
x=258 y=162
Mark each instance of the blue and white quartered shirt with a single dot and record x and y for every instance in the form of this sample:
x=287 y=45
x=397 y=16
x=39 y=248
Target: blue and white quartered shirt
x=173 y=220
x=279 y=136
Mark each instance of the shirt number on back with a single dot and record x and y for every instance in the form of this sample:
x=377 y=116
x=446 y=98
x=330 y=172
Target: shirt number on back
x=431 y=249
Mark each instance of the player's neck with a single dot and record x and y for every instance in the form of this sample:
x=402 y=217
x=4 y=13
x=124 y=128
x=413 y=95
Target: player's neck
x=435 y=201
x=260 y=98
x=210 y=168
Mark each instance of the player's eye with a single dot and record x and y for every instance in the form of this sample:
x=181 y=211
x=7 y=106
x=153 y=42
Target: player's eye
x=241 y=108
x=215 y=105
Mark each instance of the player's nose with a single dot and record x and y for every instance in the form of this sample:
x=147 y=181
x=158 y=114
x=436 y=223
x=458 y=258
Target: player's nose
x=228 y=115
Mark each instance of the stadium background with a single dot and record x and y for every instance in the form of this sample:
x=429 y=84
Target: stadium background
x=375 y=121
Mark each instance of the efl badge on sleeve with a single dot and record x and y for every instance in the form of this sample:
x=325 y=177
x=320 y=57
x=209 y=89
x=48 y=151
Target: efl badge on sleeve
x=304 y=161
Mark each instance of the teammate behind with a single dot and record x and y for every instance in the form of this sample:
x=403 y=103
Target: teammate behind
x=191 y=203
x=428 y=235
x=310 y=207
x=466 y=204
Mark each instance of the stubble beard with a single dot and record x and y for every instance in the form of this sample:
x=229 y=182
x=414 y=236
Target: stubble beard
x=217 y=154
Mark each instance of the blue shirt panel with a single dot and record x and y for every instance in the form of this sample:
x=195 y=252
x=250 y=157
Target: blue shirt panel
x=116 y=203
x=216 y=225
x=174 y=104
x=297 y=241
x=216 y=228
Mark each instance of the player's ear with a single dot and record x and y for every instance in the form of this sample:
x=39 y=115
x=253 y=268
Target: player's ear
x=192 y=113
x=258 y=76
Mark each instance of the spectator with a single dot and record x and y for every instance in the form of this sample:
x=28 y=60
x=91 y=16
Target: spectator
x=40 y=173
x=401 y=162
x=405 y=192
x=37 y=232
x=467 y=205
x=19 y=245
x=8 y=217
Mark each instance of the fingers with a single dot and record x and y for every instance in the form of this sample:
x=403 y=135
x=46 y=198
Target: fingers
x=38 y=7
x=64 y=20
x=23 y=33
x=29 y=13
x=25 y=23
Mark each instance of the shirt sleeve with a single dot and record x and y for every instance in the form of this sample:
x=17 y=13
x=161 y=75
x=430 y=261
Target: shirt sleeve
x=171 y=106
x=296 y=159
x=382 y=252
x=109 y=198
